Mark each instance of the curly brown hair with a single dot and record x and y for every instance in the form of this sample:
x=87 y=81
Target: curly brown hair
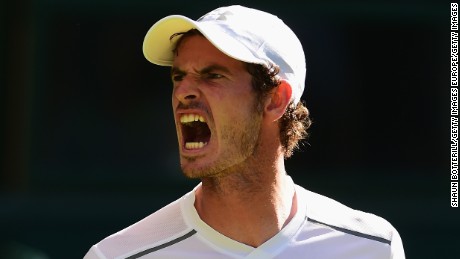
x=296 y=119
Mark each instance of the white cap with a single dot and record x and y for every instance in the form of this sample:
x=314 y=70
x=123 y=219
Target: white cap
x=245 y=34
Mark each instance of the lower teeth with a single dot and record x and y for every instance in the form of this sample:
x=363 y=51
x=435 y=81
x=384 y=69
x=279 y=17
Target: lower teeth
x=195 y=145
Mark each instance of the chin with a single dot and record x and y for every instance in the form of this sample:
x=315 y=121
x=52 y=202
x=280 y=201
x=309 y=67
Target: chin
x=193 y=171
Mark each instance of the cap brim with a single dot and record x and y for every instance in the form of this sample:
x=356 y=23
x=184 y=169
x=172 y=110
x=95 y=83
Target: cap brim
x=158 y=45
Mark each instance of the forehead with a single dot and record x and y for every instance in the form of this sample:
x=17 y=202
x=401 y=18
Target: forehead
x=196 y=49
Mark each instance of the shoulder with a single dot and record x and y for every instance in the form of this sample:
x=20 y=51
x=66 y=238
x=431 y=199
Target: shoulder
x=327 y=213
x=158 y=228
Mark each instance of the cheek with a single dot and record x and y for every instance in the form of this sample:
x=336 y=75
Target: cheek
x=230 y=102
x=233 y=114
x=174 y=100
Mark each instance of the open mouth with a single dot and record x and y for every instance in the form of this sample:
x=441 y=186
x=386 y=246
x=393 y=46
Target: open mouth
x=195 y=131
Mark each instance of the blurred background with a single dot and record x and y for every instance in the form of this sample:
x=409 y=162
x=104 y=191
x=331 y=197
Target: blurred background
x=88 y=144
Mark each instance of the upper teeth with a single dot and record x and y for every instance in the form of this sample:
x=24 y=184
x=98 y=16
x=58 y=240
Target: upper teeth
x=185 y=118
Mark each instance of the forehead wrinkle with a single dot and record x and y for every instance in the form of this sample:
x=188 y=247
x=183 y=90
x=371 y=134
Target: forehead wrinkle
x=205 y=70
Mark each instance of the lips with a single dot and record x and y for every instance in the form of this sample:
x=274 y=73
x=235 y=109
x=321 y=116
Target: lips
x=195 y=131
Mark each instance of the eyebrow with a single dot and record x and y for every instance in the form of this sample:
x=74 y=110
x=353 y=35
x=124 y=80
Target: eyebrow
x=214 y=67
x=176 y=70
x=205 y=70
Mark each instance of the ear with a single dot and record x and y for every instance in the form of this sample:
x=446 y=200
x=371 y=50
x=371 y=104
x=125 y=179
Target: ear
x=280 y=98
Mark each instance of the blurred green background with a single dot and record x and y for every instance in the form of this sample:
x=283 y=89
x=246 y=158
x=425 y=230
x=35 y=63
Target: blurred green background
x=88 y=144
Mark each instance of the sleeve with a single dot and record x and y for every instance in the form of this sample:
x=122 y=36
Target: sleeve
x=94 y=253
x=397 y=250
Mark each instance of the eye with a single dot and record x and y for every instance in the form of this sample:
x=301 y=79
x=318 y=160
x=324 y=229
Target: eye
x=177 y=77
x=213 y=76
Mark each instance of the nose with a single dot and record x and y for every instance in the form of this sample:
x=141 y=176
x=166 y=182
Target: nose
x=186 y=90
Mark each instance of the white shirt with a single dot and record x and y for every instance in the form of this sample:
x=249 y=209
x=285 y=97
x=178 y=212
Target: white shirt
x=322 y=228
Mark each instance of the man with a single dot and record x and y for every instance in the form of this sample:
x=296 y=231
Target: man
x=238 y=75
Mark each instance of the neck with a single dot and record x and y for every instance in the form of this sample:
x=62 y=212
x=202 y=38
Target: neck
x=258 y=200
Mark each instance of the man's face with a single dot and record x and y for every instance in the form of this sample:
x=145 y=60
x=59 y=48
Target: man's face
x=214 y=109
